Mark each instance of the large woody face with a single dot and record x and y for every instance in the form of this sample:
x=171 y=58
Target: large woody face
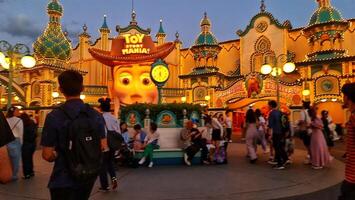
x=133 y=84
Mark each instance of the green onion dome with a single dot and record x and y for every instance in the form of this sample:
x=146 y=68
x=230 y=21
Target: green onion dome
x=54 y=6
x=53 y=44
x=325 y=15
x=206 y=38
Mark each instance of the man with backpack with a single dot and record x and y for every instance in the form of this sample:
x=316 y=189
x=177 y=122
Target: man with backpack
x=73 y=138
x=278 y=136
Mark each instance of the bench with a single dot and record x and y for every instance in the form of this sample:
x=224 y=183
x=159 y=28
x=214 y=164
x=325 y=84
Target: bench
x=170 y=152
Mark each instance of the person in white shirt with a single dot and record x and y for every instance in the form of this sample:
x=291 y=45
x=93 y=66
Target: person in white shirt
x=111 y=124
x=14 y=147
x=228 y=123
x=304 y=128
x=217 y=131
x=150 y=143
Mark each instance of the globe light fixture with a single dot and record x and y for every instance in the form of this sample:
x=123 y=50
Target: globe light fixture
x=323 y=100
x=207 y=98
x=55 y=94
x=28 y=61
x=5 y=63
x=16 y=98
x=306 y=92
x=289 y=67
x=82 y=96
x=183 y=99
x=334 y=100
x=3 y=100
x=2 y=57
x=266 y=69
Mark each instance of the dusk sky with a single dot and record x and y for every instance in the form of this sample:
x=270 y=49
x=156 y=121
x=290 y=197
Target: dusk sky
x=23 y=20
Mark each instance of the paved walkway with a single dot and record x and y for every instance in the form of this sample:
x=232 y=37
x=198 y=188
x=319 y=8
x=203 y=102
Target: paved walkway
x=237 y=180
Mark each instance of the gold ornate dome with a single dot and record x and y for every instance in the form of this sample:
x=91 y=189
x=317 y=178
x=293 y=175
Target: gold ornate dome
x=53 y=44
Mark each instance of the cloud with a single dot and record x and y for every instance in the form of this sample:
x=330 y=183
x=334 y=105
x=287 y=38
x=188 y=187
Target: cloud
x=20 y=26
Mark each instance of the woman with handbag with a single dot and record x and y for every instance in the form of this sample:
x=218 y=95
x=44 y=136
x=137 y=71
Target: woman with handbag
x=14 y=147
x=112 y=127
x=6 y=137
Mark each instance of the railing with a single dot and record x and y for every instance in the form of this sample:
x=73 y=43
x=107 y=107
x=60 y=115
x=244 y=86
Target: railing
x=95 y=90
x=173 y=92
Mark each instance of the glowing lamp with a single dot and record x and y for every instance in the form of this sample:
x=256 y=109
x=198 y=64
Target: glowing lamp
x=289 y=67
x=266 y=69
x=16 y=98
x=5 y=63
x=334 y=100
x=28 y=61
x=207 y=98
x=2 y=57
x=276 y=70
x=323 y=100
x=82 y=97
x=55 y=94
x=183 y=99
x=3 y=100
x=306 y=92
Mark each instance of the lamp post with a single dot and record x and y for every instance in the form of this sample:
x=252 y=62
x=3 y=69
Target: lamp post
x=275 y=70
x=9 y=60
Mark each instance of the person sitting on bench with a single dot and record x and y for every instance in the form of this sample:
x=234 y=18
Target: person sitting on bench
x=150 y=143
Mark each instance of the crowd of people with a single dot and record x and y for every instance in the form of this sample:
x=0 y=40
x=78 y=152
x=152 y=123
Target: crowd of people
x=84 y=143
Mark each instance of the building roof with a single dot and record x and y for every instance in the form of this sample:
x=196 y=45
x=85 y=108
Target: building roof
x=325 y=15
x=53 y=43
x=54 y=6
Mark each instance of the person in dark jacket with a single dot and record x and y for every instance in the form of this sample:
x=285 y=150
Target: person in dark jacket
x=29 y=145
x=6 y=135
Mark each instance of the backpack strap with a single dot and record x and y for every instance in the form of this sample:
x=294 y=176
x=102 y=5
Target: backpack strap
x=15 y=124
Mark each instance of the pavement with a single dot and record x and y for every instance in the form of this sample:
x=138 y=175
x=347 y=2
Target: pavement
x=237 y=180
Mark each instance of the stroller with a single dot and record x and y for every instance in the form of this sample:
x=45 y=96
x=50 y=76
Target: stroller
x=125 y=156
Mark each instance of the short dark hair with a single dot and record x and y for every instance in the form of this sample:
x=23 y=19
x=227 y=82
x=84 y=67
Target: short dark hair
x=105 y=105
x=137 y=127
x=250 y=116
x=272 y=104
x=153 y=126
x=349 y=90
x=11 y=111
x=71 y=83
x=306 y=104
x=258 y=113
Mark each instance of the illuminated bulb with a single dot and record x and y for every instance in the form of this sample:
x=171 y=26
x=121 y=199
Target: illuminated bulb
x=276 y=70
x=3 y=99
x=207 y=98
x=28 y=61
x=55 y=94
x=82 y=97
x=16 y=98
x=323 y=100
x=334 y=100
x=306 y=92
x=266 y=69
x=183 y=99
x=289 y=67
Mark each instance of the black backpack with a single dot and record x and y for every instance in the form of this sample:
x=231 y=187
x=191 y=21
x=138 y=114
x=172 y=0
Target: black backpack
x=82 y=150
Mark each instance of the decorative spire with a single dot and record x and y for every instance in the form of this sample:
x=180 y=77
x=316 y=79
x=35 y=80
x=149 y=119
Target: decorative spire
x=205 y=23
x=133 y=16
x=262 y=6
x=324 y=3
x=177 y=39
x=104 y=27
x=84 y=33
x=161 y=30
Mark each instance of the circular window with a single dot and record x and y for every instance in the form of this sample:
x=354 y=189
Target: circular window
x=327 y=85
